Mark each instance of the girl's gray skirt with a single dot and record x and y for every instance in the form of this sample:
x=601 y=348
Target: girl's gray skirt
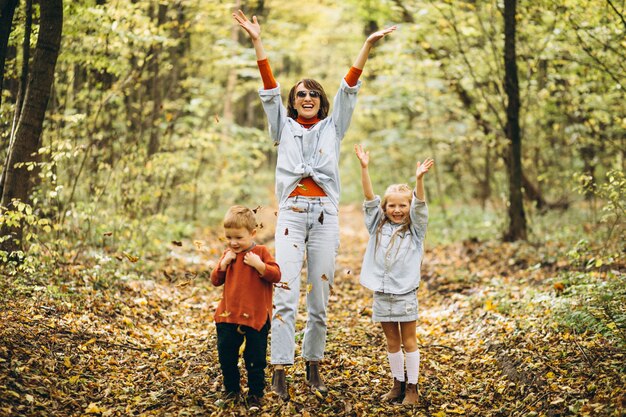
x=394 y=307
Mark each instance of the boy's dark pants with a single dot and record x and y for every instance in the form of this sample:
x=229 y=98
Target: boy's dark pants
x=229 y=340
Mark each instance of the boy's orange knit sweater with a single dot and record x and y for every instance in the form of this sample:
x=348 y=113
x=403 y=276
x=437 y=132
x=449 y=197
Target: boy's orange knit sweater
x=247 y=296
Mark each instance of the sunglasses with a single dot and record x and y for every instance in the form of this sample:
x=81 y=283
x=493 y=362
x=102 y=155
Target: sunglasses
x=312 y=94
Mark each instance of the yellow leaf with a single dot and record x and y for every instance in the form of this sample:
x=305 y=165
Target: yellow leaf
x=74 y=379
x=242 y=347
x=225 y=314
x=440 y=413
x=131 y=258
x=67 y=362
x=92 y=408
x=309 y=288
x=490 y=306
x=550 y=375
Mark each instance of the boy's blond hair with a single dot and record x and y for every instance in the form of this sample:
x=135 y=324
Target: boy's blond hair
x=238 y=217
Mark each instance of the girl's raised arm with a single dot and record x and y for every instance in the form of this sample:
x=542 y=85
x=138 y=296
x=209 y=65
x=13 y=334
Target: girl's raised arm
x=420 y=170
x=364 y=159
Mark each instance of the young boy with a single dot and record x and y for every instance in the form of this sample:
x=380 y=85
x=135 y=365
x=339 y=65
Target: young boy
x=248 y=272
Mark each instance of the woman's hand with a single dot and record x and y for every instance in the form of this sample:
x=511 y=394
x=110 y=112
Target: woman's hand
x=376 y=36
x=252 y=27
x=364 y=157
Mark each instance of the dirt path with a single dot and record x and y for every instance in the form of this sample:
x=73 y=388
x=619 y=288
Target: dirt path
x=146 y=347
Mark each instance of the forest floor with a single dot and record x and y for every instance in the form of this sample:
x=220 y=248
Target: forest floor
x=143 y=343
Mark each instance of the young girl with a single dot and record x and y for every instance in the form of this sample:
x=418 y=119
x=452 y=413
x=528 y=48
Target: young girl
x=308 y=137
x=391 y=268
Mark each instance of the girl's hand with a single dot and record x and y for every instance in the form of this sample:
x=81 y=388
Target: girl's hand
x=422 y=168
x=229 y=256
x=376 y=36
x=253 y=28
x=364 y=157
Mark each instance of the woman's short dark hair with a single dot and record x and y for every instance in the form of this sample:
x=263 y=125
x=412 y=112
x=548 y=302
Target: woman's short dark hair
x=311 y=85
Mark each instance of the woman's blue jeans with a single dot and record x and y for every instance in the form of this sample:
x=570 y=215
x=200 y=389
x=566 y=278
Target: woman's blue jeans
x=306 y=228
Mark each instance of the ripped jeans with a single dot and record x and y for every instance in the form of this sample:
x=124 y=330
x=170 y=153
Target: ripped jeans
x=306 y=226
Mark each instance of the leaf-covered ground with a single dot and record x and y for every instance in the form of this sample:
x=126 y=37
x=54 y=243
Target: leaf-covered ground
x=490 y=345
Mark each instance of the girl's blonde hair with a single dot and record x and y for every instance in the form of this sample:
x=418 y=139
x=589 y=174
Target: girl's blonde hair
x=393 y=188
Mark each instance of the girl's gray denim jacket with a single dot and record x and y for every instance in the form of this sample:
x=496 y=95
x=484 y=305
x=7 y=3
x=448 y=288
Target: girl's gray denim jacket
x=394 y=267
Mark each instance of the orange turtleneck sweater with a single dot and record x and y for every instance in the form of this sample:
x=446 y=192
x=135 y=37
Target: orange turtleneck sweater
x=307 y=186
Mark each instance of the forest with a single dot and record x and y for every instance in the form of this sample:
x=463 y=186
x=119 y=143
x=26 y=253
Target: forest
x=127 y=129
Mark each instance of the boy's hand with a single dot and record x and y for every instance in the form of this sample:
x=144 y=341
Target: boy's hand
x=254 y=261
x=229 y=256
x=376 y=36
x=422 y=168
x=364 y=157
x=253 y=28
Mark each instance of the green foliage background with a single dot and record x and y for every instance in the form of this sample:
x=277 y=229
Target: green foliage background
x=188 y=81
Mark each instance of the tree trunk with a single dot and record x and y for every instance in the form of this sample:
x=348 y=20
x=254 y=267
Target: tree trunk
x=7 y=10
x=30 y=124
x=21 y=93
x=155 y=88
x=517 y=218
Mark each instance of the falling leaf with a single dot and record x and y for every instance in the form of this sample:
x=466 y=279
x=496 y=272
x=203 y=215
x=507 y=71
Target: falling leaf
x=245 y=315
x=279 y=317
x=177 y=243
x=321 y=218
x=348 y=272
x=283 y=285
x=559 y=286
x=256 y=209
x=309 y=288
x=303 y=187
x=225 y=314
x=169 y=277
x=130 y=257
x=217 y=119
x=198 y=244
x=324 y=277
x=286 y=231
x=107 y=234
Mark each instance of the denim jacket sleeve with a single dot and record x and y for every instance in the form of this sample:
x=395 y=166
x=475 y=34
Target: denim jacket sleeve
x=419 y=218
x=343 y=107
x=275 y=111
x=373 y=214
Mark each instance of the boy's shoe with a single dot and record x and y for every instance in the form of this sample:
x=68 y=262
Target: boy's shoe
x=229 y=396
x=313 y=377
x=396 y=392
x=254 y=402
x=410 y=396
x=279 y=384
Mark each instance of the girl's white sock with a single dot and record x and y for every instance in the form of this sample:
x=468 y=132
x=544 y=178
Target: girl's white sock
x=412 y=366
x=396 y=362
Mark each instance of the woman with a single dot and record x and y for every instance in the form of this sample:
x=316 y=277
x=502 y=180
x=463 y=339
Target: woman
x=307 y=188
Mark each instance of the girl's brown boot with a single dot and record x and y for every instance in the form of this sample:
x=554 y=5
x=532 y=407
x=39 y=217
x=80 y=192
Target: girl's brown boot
x=396 y=392
x=410 y=395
